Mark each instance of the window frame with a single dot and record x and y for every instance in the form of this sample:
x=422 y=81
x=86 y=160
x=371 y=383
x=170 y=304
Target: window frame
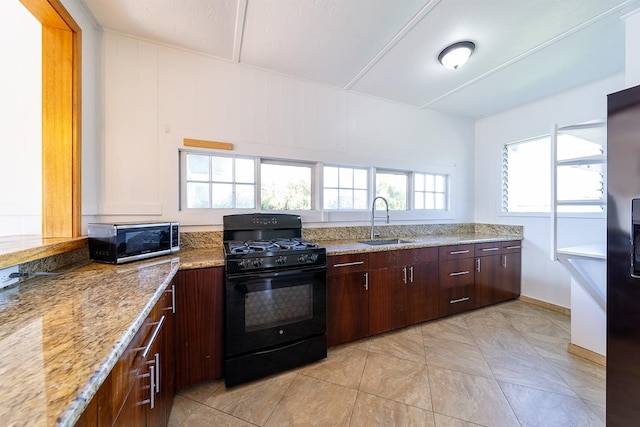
x=408 y=187
x=323 y=187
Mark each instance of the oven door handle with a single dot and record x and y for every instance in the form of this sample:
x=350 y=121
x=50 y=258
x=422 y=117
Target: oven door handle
x=276 y=273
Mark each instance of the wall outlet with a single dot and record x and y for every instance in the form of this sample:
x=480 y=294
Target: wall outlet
x=5 y=280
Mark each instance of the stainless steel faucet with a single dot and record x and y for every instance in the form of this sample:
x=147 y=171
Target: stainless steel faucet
x=373 y=215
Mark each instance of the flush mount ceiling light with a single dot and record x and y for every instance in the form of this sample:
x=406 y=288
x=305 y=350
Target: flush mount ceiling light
x=456 y=55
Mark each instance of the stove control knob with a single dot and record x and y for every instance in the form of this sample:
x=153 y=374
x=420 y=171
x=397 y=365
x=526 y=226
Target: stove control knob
x=257 y=262
x=281 y=260
x=244 y=263
x=314 y=257
x=303 y=258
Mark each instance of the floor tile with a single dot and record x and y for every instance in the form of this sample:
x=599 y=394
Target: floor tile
x=202 y=392
x=541 y=408
x=181 y=410
x=470 y=397
x=445 y=421
x=373 y=410
x=404 y=343
x=452 y=328
x=241 y=401
x=310 y=401
x=489 y=316
x=598 y=408
x=549 y=347
x=343 y=366
x=491 y=339
x=527 y=369
x=456 y=356
x=587 y=379
x=536 y=323
x=397 y=379
x=205 y=416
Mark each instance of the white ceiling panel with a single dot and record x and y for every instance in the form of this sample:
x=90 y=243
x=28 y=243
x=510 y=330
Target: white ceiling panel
x=526 y=49
x=327 y=41
x=202 y=25
x=560 y=66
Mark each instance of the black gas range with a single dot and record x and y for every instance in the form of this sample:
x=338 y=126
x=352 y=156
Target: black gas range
x=275 y=296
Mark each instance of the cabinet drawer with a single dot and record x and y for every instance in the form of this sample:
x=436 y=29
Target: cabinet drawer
x=416 y=256
x=456 y=252
x=486 y=249
x=457 y=272
x=384 y=259
x=339 y=264
x=455 y=299
x=511 y=246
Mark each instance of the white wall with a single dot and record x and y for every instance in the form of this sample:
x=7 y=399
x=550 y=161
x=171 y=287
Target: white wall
x=632 y=53
x=156 y=95
x=542 y=279
x=20 y=109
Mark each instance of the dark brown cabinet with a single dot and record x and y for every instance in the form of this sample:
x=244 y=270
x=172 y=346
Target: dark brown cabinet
x=385 y=312
x=488 y=273
x=347 y=298
x=419 y=268
x=199 y=325
x=139 y=389
x=511 y=264
x=456 y=284
x=498 y=271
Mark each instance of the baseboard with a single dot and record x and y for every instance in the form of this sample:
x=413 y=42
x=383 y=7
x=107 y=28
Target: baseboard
x=548 y=305
x=587 y=354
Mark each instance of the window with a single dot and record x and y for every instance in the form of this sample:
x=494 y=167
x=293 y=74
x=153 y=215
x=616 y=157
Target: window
x=526 y=175
x=430 y=191
x=219 y=182
x=285 y=186
x=345 y=188
x=393 y=187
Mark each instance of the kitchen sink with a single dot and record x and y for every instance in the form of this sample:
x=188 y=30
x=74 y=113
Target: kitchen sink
x=379 y=242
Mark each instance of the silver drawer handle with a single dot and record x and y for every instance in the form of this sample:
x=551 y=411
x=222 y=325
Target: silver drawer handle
x=347 y=264
x=513 y=247
x=455 y=301
x=490 y=249
x=459 y=273
x=458 y=252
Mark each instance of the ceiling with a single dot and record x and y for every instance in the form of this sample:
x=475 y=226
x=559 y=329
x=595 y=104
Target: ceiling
x=525 y=49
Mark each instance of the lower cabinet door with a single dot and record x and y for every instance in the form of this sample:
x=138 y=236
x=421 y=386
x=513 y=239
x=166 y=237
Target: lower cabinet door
x=347 y=307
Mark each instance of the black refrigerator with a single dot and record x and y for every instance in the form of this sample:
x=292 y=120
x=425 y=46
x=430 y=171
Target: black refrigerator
x=623 y=258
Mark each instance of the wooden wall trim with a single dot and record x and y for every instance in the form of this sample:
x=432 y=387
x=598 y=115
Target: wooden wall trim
x=61 y=119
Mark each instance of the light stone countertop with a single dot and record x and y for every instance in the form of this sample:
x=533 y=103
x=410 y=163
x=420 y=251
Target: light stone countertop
x=60 y=336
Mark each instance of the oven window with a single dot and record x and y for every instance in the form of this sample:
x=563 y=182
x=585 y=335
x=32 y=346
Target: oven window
x=275 y=307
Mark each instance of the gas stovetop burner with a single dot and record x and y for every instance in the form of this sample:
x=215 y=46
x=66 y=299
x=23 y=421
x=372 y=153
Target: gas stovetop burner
x=253 y=246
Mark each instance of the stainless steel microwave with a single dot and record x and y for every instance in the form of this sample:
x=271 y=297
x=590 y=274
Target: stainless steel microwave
x=125 y=242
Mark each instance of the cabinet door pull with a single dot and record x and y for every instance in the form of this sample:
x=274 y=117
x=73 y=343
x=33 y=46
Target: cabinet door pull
x=504 y=261
x=411 y=274
x=347 y=264
x=513 y=247
x=157 y=359
x=404 y=275
x=458 y=252
x=478 y=265
x=366 y=281
x=156 y=330
x=173 y=300
x=490 y=249
x=459 y=273
x=455 y=301
x=153 y=386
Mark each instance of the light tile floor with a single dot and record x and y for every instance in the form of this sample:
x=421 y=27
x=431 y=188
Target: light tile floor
x=504 y=365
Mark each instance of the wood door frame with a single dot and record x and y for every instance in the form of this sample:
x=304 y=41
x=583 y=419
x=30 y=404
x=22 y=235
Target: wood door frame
x=61 y=118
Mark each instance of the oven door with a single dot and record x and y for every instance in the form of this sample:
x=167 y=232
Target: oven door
x=270 y=309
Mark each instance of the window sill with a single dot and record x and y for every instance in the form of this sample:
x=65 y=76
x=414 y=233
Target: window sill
x=16 y=250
